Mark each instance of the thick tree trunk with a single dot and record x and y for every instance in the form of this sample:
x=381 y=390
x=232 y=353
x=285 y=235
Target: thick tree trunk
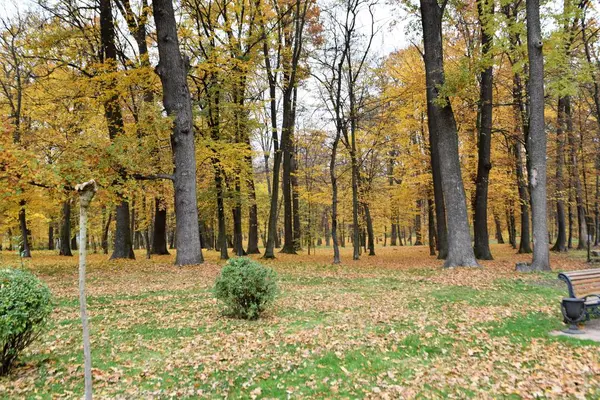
x=172 y=69
x=114 y=119
x=460 y=251
x=50 y=236
x=481 y=247
x=536 y=139
x=286 y=144
x=441 y=243
x=123 y=247
x=561 y=237
x=25 y=248
x=65 y=230
x=394 y=235
x=159 y=237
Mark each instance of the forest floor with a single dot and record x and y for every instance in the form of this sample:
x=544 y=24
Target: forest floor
x=395 y=325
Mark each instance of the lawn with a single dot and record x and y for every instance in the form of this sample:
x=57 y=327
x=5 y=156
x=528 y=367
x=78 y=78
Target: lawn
x=391 y=326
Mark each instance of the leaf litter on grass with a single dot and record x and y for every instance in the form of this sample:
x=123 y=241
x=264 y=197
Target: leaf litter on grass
x=394 y=325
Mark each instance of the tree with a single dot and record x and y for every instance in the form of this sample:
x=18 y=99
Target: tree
x=441 y=119
x=482 y=246
x=536 y=140
x=172 y=70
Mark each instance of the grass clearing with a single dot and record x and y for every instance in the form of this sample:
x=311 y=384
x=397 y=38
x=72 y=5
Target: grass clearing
x=395 y=325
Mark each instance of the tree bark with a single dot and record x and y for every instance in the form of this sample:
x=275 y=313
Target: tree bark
x=418 y=235
x=105 y=229
x=252 y=218
x=122 y=245
x=499 y=237
x=159 y=237
x=536 y=139
x=370 y=232
x=460 y=251
x=50 y=236
x=481 y=247
x=65 y=230
x=172 y=70
x=114 y=119
x=296 y=202
x=25 y=249
x=574 y=164
x=431 y=226
x=561 y=237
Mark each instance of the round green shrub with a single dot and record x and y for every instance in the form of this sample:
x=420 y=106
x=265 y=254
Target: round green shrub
x=25 y=304
x=245 y=288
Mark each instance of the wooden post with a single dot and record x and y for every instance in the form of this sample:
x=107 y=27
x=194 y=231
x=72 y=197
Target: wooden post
x=86 y=193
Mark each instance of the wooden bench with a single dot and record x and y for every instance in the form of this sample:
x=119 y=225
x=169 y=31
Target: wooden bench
x=584 y=284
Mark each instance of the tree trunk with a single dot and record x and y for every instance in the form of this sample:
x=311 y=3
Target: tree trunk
x=334 y=200
x=418 y=236
x=114 y=119
x=370 y=232
x=222 y=223
x=499 y=237
x=172 y=69
x=159 y=237
x=286 y=144
x=460 y=251
x=65 y=230
x=123 y=247
x=296 y=204
x=525 y=242
x=105 y=229
x=574 y=164
x=24 y=249
x=441 y=243
x=561 y=237
x=238 y=245
x=536 y=139
x=50 y=236
x=252 y=218
x=481 y=247
x=431 y=226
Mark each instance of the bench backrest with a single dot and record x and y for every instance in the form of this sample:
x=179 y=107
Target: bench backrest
x=582 y=283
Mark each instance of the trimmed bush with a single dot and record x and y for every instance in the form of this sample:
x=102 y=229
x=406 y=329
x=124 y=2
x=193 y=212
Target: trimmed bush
x=25 y=304
x=245 y=287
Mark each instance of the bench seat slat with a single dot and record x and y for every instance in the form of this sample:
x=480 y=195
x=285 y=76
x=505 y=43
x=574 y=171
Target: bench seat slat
x=582 y=272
